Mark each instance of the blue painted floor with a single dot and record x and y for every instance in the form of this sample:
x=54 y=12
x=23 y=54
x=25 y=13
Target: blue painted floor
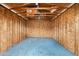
x=37 y=47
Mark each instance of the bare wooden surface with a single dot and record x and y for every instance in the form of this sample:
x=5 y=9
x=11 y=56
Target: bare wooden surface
x=12 y=28
x=66 y=29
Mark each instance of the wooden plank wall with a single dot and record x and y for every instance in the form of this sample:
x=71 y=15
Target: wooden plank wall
x=39 y=28
x=66 y=29
x=12 y=28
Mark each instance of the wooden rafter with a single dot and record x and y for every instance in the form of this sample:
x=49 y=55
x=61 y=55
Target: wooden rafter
x=43 y=9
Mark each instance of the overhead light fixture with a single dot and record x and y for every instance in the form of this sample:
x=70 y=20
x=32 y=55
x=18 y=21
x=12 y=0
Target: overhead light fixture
x=37 y=4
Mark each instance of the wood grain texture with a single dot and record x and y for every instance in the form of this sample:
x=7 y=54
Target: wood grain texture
x=39 y=28
x=46 y=10
x=66 y=29
x=12 y=29
x=77 y=30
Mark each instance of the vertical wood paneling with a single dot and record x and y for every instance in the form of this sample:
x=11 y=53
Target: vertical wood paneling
x=39 y=28
x=64 y=29
x=68 y=29
x=12 y=29
x=77 y=30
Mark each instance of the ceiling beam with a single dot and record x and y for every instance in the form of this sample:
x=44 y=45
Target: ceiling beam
x=9 y=7
x=48 y=8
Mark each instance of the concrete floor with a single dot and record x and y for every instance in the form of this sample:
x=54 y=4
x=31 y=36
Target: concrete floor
x=37 y=47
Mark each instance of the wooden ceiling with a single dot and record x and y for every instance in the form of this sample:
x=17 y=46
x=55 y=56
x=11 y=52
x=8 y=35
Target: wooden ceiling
x=37 y=10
